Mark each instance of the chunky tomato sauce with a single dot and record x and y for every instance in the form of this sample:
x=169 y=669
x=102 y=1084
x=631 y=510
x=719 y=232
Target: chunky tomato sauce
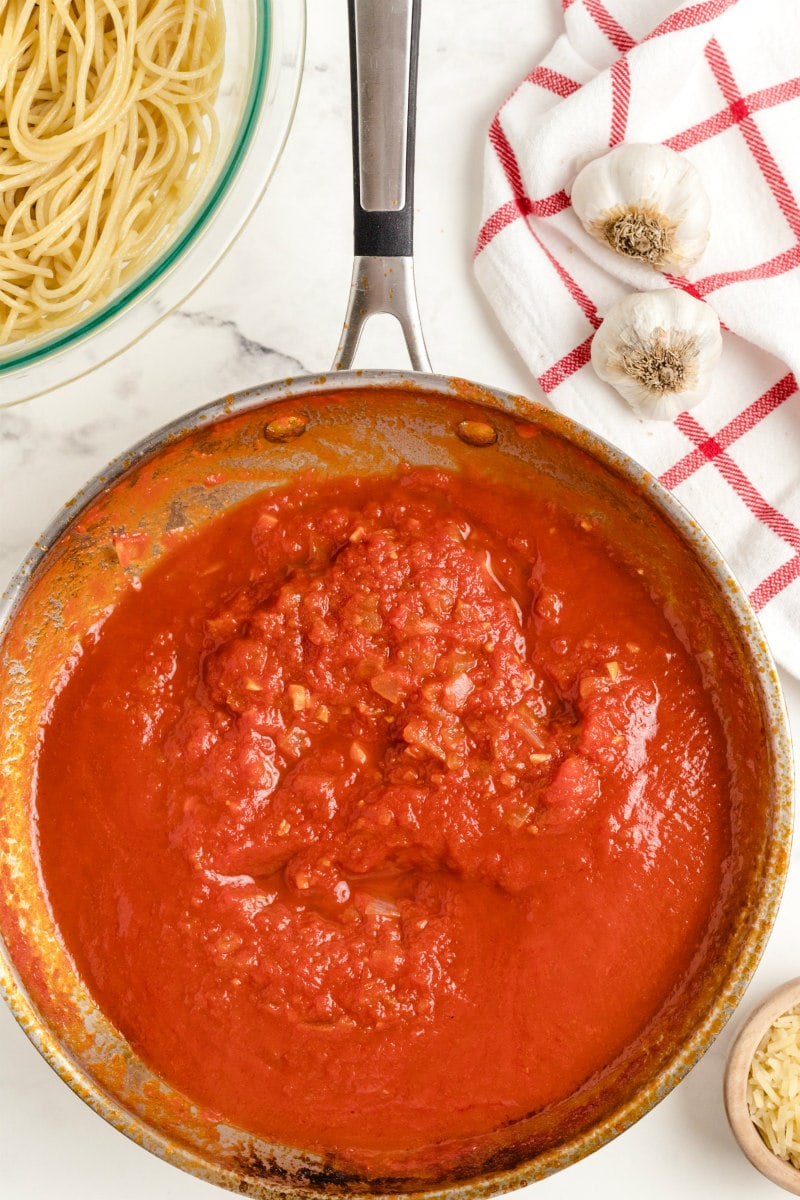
x=384 y=811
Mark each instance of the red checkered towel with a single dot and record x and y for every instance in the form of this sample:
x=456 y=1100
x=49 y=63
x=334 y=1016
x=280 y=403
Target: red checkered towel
x=718 y=81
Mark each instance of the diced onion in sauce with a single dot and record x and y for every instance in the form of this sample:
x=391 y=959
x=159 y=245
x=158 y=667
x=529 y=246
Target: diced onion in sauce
x=382 y=908
x=528 y=725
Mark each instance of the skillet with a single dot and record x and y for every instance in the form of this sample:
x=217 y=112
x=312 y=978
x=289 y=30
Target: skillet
x=370 y=422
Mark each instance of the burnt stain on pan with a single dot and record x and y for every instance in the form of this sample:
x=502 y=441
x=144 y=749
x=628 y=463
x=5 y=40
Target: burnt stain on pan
x=325 y=1178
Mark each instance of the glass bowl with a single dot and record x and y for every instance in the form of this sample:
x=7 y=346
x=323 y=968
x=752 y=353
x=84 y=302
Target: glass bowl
x=264 y=49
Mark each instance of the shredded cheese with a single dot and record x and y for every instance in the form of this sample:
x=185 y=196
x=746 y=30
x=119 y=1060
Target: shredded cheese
x=773 y=1087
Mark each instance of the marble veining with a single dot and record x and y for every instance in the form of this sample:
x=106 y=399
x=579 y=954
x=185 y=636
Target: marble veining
x=273 y=360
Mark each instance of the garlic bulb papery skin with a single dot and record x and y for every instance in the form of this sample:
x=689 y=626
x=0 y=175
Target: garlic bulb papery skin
x=646 y=202
x=659 y=350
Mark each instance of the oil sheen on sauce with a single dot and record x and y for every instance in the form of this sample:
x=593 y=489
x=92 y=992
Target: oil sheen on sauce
x=383 y=812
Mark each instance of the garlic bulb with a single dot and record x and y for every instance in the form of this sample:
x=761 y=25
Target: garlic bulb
x=659 y=350
x=646 y=202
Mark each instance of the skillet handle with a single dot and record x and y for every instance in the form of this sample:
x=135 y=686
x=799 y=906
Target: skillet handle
x=384 y=45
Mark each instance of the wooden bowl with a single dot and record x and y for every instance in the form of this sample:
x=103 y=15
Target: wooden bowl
x=735 y=1088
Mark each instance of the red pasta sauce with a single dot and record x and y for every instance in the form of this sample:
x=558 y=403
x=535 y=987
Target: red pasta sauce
x=384 y=812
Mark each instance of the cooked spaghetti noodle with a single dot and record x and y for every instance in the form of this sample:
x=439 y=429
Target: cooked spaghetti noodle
x=107 y=130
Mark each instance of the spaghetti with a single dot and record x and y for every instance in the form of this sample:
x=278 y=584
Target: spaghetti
x=107 y=131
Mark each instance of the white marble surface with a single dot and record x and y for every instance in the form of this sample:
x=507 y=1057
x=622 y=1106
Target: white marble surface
x=272 y=308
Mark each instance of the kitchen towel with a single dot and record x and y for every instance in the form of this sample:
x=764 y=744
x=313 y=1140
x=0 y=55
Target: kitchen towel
x=717 y=81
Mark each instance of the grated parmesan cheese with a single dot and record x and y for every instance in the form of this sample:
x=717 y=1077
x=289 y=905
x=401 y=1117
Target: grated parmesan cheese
x=773 y=1087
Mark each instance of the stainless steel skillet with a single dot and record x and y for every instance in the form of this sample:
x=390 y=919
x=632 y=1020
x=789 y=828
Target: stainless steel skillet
x=370 y=422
